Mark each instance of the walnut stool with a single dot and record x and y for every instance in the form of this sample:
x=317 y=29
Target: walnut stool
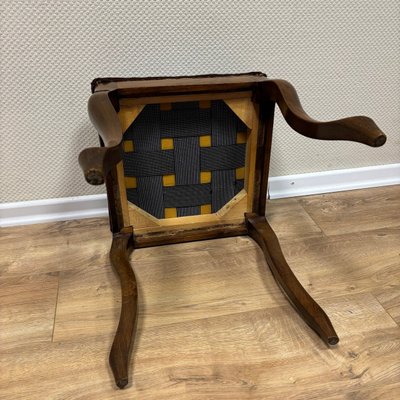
x=187 y=158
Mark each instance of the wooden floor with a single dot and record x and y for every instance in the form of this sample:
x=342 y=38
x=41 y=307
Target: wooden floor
x=212 y=322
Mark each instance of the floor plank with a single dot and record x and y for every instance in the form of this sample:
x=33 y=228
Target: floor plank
x=345 y=212
x=212 y=323
x=27 y=309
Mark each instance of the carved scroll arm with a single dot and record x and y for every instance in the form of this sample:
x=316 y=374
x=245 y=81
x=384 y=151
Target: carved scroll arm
x=97 y=161
x=358 y=129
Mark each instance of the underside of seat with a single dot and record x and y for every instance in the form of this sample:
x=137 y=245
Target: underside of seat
x=184 y=158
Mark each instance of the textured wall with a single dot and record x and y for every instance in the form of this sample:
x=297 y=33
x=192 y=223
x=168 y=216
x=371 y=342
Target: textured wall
x=343 y=58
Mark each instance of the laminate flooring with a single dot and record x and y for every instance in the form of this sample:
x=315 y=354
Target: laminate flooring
x=212 y=322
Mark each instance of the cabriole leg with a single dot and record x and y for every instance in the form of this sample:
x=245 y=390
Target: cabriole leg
x=122 y=247
x=312 y=313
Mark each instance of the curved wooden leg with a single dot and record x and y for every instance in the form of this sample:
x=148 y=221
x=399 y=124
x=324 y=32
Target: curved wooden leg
x=122 y=247
x=312 y=313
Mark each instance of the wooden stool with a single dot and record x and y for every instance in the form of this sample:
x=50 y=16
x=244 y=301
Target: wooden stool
x=187 y=158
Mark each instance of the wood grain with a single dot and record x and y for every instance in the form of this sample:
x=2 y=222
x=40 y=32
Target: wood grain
x=212 y=323
x=128 y=102
x=389 y=297
x=231 y=213
x=121 y=249
x=179 y=85
x=344 y=212
x=243 y=108
x=260 y=230
x=358 y=129
x=27 y=308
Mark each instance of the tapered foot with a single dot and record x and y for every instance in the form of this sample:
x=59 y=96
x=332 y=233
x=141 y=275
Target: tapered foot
x=121 y=249
x=312 y=313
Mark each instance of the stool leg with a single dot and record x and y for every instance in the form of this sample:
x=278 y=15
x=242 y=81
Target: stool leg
x=122 y=247
x=311 y=312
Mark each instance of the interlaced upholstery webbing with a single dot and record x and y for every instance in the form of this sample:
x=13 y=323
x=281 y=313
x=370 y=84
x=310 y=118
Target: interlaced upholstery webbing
x=184 y=158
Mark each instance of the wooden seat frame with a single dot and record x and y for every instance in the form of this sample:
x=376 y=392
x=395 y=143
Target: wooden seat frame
x=104 y=164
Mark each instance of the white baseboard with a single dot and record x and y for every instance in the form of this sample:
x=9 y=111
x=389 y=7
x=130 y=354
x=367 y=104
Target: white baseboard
x=48 y=210
x=333 y=181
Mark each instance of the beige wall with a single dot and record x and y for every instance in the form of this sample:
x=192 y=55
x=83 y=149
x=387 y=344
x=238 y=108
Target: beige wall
x=343 y=57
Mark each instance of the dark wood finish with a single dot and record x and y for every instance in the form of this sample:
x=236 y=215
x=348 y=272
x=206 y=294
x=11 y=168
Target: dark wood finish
x=114 y=200
x=264 y=143
x=188 y=235
x=122 y=247
x=263 y=234
x=357 y=129
x=104 y=118
x=96 y=162
x=127 y=87
x=100 y=164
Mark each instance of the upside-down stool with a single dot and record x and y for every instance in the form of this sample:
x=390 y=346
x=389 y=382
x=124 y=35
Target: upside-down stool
x=187 y=158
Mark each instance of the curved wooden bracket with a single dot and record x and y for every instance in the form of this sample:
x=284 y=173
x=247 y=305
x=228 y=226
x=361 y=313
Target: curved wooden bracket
x=121 y=248
x=357 y=129
x=311 y=312
x=104 y=118
x=97 y=161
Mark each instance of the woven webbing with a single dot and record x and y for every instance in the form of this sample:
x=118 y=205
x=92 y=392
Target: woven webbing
x=184 y=158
